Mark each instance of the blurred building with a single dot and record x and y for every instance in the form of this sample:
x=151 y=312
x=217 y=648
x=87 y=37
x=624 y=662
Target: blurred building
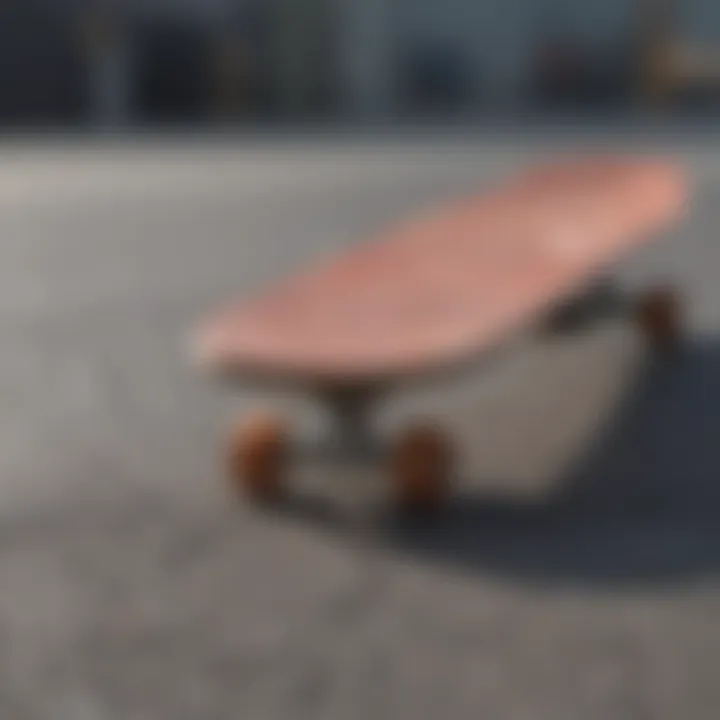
x=118 y=62
x=460 y=56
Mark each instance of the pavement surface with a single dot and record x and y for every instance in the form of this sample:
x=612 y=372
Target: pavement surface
x=576 y=576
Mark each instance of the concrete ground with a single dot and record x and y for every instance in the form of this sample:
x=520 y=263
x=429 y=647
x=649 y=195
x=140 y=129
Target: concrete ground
x=576 y=576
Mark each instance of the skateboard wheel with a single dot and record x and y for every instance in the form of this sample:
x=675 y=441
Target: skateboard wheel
x=257 y=458
x=421 y=464
x=658 y=317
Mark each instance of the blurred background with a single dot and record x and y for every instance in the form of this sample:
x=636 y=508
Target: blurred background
x=134 y=62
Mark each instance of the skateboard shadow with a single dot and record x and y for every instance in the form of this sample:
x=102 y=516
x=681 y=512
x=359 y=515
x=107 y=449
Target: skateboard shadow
x=641 y=507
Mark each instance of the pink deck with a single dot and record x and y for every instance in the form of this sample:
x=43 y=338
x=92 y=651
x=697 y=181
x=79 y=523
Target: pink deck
x=448 y=284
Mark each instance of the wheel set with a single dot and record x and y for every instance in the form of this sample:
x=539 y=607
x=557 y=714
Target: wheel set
x=656 y=313
x=418 y=464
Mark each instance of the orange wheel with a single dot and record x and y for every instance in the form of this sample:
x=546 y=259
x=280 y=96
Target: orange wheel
x=421 y=465
x=659 y=318
x=257 y=458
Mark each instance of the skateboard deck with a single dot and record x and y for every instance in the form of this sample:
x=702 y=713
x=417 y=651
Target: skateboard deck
x=450 y=283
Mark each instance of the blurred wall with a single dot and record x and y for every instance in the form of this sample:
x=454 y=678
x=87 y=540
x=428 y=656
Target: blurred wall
x=198 y=60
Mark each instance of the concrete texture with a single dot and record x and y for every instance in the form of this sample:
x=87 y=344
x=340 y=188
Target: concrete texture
x=575 y=577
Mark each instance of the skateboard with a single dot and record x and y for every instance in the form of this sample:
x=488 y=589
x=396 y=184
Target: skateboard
x=427 y=294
